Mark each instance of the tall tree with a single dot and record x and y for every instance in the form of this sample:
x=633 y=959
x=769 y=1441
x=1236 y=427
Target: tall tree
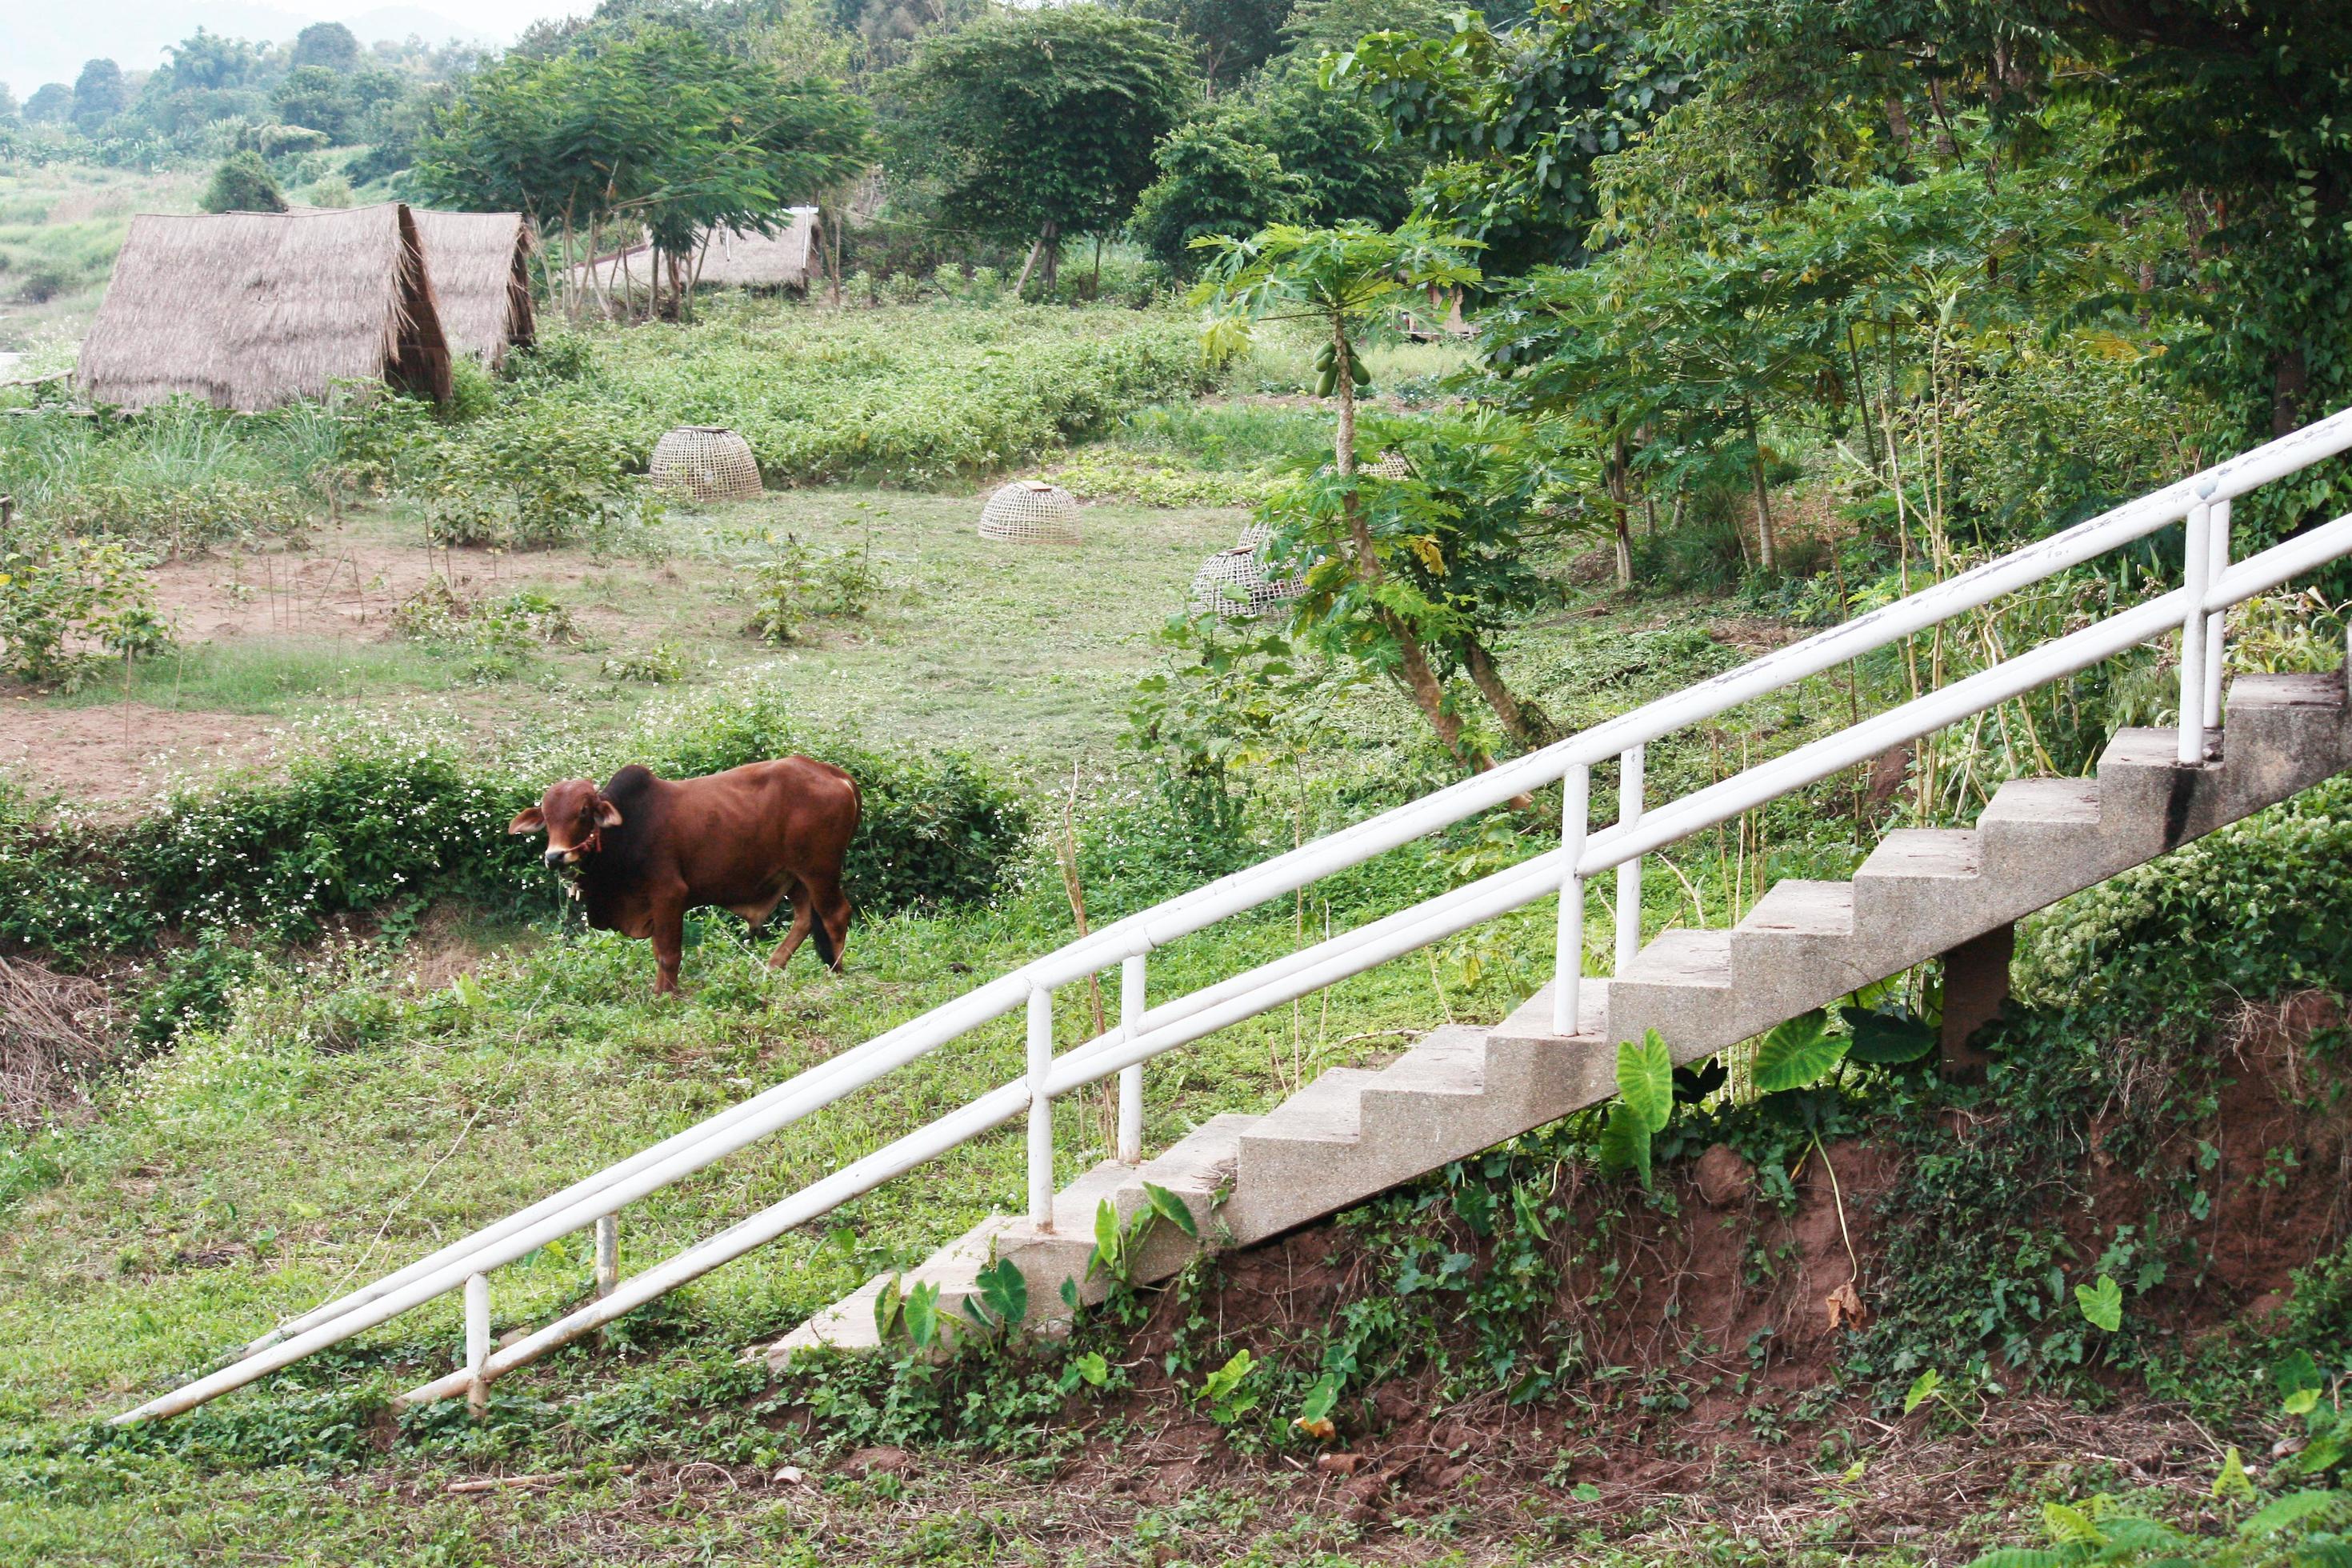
x=51 y=104
x=660 y=129
x=100 y=94
x=1337 y=279
x=1040 y=124
x=1211 y=182
x=329 y=45
x=1231 y=38
x=1514 y=114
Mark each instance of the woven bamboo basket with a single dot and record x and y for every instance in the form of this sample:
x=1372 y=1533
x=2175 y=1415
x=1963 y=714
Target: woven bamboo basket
x=1233 y=584
x=1030 y=511
x=709 y=462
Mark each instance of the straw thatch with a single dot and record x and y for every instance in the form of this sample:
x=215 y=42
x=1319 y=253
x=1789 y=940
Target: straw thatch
x=249 y=310
x=480 y=267
x=729 y=259
x=746 y=259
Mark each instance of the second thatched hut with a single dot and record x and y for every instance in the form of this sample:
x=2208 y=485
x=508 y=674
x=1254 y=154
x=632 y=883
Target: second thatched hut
x=481 y=268
x=251 y=311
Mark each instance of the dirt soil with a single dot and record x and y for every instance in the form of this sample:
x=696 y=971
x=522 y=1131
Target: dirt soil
x=1723 y=1331
x=126 y=753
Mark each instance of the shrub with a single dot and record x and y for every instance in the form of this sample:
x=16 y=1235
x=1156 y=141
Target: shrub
x=373 y=822
x=62 y=598
x=534 y=478
x=799 y=583
x=243 y=184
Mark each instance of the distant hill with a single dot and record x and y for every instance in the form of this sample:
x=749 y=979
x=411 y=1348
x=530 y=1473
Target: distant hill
x=49 y=43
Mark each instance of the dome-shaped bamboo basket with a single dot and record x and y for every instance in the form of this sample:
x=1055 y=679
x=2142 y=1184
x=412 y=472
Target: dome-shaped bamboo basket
x=1030 y=511
x=1233 y=584
x=709 y=462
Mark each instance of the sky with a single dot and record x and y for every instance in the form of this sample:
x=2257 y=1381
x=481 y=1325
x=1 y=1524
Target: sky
x=47 y=40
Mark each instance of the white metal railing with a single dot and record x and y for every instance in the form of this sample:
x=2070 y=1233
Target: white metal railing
x=2198 y=608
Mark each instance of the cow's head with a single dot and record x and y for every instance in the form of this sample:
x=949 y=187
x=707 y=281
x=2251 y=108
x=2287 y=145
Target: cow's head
x=574 y=814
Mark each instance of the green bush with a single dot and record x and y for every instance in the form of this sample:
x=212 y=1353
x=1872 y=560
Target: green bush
x=372 y=823
x=535 y=479
x=63 y=599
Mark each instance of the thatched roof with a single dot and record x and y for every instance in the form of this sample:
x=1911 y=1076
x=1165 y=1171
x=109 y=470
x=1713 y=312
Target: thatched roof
x=730 y=258
x=480 y=264
x=249 y=310
x=746 y=259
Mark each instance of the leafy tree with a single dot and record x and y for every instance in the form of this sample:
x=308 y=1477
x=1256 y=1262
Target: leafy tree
x=7 y=105
x=1040 y=124
x=100 y=94
x=205 y=59
x=1339 y=279
x=1234 y=37
x=243 y=184
x=51 y=104
x=1331 y=139
x=325 y=46
x=660 y=129
x=317 y=97
x=1516 y=114
x=1211 y=182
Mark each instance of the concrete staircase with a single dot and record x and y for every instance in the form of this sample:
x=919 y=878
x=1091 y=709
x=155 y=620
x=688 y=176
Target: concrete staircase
x=1353 y=1133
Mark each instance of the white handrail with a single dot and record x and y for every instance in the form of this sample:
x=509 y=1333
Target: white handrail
x=585 y=1201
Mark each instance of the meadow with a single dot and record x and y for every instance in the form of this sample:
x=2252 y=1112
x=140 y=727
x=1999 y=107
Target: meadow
x=354 y=1017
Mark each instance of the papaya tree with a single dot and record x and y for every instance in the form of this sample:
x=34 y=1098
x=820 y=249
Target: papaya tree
x=1340 y=279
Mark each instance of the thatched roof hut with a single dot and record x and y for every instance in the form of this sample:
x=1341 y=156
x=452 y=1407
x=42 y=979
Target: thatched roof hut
x=249 y=310
x=746 y=259
x=729 y=259
x=480 y=265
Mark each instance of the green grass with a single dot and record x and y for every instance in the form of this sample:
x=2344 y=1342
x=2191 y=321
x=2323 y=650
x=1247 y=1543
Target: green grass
x=59 y=228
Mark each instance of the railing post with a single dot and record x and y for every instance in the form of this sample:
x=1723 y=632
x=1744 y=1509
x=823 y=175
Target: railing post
x=1041 y=1108
x=1568 y=949
x=477 y=1341
x=2217 y=625
x=2197 y=565
x=1131 y=1078
x=1629 y=872
x=608 y=1254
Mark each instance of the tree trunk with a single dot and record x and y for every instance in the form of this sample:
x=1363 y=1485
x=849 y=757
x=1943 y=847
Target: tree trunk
x=2290 y=380
x=1768 y=555
x=1522 y=721
x=1621 y=504
x=1420 y=680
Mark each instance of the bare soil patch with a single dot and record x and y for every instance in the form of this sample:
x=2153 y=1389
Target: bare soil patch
x=124 y=752
x=343 y=586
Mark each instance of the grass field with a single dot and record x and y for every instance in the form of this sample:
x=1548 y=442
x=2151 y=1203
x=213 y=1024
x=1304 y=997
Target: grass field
x=414 y=1067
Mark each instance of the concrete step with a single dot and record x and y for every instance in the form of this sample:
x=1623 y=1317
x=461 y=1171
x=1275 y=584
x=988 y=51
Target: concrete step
x=1354 y=1132
x=1680 y=985
x=1917 y=894
x=1795 y=950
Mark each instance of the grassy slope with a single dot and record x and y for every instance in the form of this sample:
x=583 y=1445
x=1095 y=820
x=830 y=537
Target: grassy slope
x=1011 y=652
x=247 y=1175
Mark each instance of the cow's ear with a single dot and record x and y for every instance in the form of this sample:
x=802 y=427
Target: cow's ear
x=607 y=814
x=527 y=822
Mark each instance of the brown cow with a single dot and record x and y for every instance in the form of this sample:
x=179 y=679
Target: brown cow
x=650 y=848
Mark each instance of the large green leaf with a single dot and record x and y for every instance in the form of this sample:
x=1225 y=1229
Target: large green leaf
x=1625 y=1142
x=2280 y=1513
x=1884 y=1039
x=2102 y=1304
x=1645 y=1081
x=921 y=1311
x=1799 y=1052
x=1170 y=1207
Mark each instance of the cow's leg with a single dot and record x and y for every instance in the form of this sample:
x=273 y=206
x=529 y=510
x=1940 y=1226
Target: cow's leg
x=669 y=943
x=802 y=919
